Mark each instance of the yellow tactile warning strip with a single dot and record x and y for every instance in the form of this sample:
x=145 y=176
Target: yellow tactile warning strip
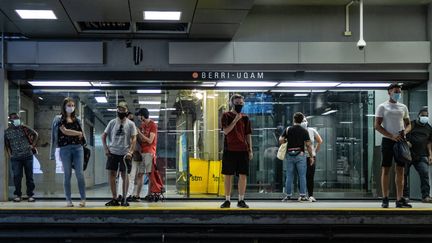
x=269 y=206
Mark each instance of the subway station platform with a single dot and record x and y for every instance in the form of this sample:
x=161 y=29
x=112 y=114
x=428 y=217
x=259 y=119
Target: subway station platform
x=193 y=221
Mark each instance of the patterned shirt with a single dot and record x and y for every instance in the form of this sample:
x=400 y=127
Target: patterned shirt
x=16 y=139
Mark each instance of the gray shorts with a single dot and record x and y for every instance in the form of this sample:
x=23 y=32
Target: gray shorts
x=147 y=163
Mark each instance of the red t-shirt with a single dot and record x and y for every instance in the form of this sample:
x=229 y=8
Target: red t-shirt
x=236 y=139
x=146 y=129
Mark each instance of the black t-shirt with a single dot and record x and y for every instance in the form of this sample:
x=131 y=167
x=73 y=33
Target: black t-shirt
x=419 y=136
x=296 y=136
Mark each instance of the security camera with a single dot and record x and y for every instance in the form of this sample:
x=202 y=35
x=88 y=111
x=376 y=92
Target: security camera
x=361 y=44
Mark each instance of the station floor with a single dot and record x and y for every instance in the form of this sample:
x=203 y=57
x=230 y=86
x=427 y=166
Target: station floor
x=194 y=205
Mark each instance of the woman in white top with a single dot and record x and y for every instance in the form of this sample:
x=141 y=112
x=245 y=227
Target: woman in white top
x=316 y=141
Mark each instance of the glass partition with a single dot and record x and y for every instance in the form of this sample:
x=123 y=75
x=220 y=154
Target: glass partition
x=190 y=140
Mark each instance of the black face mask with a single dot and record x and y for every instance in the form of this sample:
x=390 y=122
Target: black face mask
x=121 y=115
x=238 y=108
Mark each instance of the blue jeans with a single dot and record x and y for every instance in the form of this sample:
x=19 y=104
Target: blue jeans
x=422 y=167
x=73 y=154
x=299 y=163
x=17 y=168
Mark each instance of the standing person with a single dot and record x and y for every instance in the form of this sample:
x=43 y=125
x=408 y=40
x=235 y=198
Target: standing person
x=316 y=142
x=136 y=161
x=237 y=149
x=67 y=134
x=121 y=133
x=147 y=134
x=420 y=138
x=392 y=121
x=297 y=138
x=20 y=141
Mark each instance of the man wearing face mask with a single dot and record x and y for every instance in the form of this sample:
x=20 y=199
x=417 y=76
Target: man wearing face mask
x=237 y=149
x=121 y=133
x=420 y=138
x=147 y=134
x=20 y=141
x=392 y=121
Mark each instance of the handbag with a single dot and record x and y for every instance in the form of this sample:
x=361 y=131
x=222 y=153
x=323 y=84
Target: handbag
x=282 y=151
x=87 y=151
x=402 y=152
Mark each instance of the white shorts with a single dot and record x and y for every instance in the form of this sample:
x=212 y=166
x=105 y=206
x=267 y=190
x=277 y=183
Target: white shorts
x=147 y=163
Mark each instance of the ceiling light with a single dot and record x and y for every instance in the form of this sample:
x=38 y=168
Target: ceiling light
x=36 y=14
x=308 y=84
x=301 y=95
x=154 y=117
x=298 y=91
x=168 y=109
x=162 y=15
x=111 y=109
x=245 y=84
x=370 y=115
x=101 y=99
x=149 y=91
x=329 y=112
x=346 y=122
x=208 y=84
x=153 y=110
x=59 y=83
x=368 y=85
x=149 y=102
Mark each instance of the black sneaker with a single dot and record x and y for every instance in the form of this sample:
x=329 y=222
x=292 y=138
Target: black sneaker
x=112 y=203
x=136 y=199
x=124 y=203
x=242 y=204
x=402 y=203
x=129 y=199
x=385 y=202
x=119 y=198
x=226 y=204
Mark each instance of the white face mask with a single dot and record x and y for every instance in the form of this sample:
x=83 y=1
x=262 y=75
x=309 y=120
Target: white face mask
x=424 y=119
x=304 y=124
x=16 y=122
x=69 y=109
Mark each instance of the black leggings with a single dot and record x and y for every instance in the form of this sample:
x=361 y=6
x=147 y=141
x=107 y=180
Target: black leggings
x=310 y=173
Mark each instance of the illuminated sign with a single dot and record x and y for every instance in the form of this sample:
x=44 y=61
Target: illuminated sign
x=228 y=75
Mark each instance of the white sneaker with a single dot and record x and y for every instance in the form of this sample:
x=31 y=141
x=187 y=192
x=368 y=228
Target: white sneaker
x=303 y=199
x=312 y=199
x=69 y=204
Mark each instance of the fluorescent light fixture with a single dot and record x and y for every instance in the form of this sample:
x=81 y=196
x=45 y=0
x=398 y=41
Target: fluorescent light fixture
x=329 y=112
x=162 y=15
x=153 y=110
x=210 y=97
x=310 y=117
x=149 y=102
x=154 y=117
x=101 y=99
x=35 y=14
x=300 y=95
x=40 y=98
x=22 y=111
x=60 y=83
x=241 y=90
x=149 y=91
x=298 y=91
x=346 y=122
x=366 y=85
x=168 y=109
x=245 y=84
x=208 y=84
x=370 y=115
x=111 y=109
x=308 y=84
x=156 y=122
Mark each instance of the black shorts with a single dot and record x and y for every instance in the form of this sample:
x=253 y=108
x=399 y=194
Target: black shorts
x=235 y=163
x=388 y=154
x=114 y=161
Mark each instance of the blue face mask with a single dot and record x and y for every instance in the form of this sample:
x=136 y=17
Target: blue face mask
x=423 y=119
x=16 y=122
x=396 y=96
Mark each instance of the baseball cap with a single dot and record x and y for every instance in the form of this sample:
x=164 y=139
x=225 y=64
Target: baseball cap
x=122 y=104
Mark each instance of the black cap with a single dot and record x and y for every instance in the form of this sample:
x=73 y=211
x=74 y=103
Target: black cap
x=143 y=112
x=423 y=109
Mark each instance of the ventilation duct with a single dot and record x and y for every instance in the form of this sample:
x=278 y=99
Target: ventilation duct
x=103 y=27
x=162 y=28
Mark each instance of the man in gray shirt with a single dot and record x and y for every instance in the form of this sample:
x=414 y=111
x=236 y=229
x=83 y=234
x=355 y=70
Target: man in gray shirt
x=121 y=133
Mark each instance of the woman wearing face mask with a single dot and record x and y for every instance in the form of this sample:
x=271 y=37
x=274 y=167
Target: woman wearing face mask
x=67 y=135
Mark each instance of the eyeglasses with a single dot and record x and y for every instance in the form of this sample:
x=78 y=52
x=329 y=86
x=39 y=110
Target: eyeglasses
x=120 y=130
